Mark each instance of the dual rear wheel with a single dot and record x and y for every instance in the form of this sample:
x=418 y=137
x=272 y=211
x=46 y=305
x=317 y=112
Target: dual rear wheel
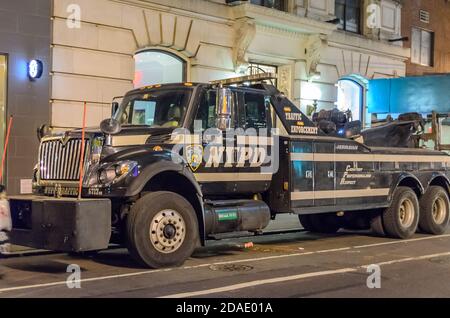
x=407 y=213
x=402 y=219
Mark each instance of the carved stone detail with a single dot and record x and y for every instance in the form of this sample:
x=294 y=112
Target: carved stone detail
x=314 y=45
x=245 y=31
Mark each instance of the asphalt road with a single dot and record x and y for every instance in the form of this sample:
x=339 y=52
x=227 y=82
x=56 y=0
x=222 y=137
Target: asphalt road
x=297 y=264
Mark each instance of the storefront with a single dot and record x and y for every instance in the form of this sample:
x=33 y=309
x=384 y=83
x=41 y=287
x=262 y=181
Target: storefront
x=25 y=36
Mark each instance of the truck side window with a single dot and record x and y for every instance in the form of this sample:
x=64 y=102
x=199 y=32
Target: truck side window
x=255 y=111
x=207 y=110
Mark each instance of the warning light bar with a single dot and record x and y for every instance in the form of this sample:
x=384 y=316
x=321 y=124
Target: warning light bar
x=246 y=79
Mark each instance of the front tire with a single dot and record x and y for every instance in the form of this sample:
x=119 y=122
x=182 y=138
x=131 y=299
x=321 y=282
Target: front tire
x=162 y=230
x=434 y=211
x=401 y=219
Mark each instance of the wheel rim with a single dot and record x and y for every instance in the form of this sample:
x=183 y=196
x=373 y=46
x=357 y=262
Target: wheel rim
x=439 y=211
x=167 y=231
x=406 y=213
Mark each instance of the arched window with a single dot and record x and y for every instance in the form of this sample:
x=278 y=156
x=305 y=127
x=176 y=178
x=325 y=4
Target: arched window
x=350 y=97
x=158 y=67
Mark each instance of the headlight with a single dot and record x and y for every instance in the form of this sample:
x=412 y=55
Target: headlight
x=113 y=173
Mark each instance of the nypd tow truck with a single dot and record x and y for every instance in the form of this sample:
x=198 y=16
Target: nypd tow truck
x=179 y=164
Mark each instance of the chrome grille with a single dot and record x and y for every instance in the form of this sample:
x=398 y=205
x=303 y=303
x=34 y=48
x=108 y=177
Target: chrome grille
x=60 y=161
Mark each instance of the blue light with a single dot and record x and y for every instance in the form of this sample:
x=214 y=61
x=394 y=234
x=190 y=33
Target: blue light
x=341 y=131
x=35 y=69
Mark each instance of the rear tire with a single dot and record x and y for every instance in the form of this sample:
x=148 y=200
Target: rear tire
x=376 y=225
x=162 y=230
x=320 y=223
x=306 y=222
x=434 y=211
x=401 y=219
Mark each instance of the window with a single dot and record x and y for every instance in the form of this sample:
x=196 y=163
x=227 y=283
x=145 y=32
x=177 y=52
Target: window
x=160 y=108
x=349 y=14
x=158 y=67
x=255 y=111
x=207 y=110
x=422 y=47
x=350 y=97
x=254 y=69
x=275 y=4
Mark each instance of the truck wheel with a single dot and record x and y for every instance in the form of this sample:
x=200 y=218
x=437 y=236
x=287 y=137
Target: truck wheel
x=325 y=223
x=306 y=222
x=162 y=230
x=401 y=219
x=434 y=211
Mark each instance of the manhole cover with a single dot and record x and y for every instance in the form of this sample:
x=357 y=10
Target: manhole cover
x=231 y=268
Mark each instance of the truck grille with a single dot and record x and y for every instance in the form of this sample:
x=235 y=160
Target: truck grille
x=60 y=161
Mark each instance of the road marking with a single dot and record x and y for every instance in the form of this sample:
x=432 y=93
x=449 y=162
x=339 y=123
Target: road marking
x=403 y=241
x=260 y=282
x=282 y=279
x=258 y=259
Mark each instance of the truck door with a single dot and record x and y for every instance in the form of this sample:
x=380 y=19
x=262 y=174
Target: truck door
x=355 y=176
x=324 y=174
x=254 y=142
x=218 y=170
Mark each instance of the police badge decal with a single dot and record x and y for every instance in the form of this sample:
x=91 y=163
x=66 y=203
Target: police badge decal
x=194 y=156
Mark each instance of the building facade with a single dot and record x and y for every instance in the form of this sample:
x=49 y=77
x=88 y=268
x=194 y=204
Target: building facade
x=95 y=50
x=311 y=44
x=426 y=23
x=25 y=28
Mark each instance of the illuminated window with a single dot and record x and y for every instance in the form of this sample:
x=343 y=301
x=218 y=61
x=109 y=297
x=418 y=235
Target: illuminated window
x=158 y=67
x=254 y=69
x=350 y=98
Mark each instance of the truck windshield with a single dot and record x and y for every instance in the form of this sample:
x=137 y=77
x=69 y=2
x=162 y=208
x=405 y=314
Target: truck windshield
x=158 y=108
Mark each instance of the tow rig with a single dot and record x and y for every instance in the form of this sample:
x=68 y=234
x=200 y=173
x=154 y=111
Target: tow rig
x=178 y=164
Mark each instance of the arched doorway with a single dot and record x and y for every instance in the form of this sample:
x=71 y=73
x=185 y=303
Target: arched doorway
x=351 y=96
x=158 y=67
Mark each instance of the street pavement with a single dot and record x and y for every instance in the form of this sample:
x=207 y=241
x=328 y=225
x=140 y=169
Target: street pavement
x=294 y=264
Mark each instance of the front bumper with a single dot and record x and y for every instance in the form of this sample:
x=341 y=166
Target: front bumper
x=65 y=225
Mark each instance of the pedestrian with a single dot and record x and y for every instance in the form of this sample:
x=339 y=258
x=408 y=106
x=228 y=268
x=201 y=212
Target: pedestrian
x=5 y=217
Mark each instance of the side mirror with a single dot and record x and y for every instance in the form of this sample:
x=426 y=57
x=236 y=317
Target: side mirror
x=224 y=108
x=110 y=126
x=43 y=131
x=114 y=107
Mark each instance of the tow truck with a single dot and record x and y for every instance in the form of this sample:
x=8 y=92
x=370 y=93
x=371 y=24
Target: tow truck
x=179 y=164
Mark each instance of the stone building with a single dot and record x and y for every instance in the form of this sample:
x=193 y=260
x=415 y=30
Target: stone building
x=313 y=45
x=94 y=50
x=426 y=23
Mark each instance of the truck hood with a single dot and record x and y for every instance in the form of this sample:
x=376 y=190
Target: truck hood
x=129 y=135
